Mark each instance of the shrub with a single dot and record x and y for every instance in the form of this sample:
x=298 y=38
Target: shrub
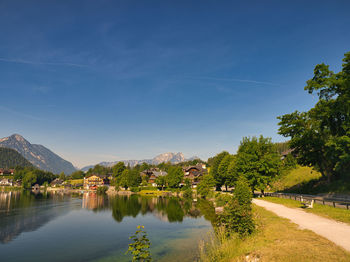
x=222 y=199
x=102 y=190
x=187 y=193
x=135 y=189
x=237 y=216
x=205 y=185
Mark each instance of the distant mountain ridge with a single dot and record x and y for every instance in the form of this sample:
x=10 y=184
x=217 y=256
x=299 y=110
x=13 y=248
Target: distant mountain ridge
x=38 y=155
x=173 y=158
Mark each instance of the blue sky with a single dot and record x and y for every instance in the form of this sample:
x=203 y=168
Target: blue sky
x=110 y=80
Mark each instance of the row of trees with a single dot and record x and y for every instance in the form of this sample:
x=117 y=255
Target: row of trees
x=257 y=160
x=31 y=175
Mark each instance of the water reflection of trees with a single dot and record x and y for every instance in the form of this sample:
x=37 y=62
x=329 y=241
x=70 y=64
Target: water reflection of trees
x=170 y=209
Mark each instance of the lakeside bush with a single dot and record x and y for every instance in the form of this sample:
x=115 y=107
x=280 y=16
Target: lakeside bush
x=102 y=190
x=188 y=193
x=237 y=217
x=135 y=189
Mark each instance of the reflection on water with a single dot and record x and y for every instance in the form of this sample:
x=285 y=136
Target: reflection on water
x=169 y=209
x=91 y=227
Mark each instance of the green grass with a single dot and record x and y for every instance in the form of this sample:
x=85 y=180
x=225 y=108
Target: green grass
x=152 y=192
x=276 y=239
x=305 y=180
x=338 y=214
x=76 y=181
x=297 y=176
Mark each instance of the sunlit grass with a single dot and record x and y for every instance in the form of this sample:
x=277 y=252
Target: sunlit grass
x=76 y=181
x=276 y=239
x=299 y=175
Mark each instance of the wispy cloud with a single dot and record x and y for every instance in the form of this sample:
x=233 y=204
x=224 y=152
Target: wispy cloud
x=21 y=61
x=11 y=111
x=235 y=80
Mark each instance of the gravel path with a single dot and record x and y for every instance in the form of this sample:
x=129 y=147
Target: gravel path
x=337 y=232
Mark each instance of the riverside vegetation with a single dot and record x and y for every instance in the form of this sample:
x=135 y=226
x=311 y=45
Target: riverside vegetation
x=319 y=138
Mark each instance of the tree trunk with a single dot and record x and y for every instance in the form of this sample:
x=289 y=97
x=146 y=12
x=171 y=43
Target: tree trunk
x=226 y=187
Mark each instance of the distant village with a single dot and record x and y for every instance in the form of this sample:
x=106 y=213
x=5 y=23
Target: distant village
x=191 y=174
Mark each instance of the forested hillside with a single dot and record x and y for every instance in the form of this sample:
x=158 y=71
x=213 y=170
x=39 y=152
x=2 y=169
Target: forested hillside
x=10 y=158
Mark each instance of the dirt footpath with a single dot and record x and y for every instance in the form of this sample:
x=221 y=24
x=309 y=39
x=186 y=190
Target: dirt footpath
x=337 y=232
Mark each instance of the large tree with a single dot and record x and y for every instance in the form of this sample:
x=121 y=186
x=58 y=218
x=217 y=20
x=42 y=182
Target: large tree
x=320 y=137
x=214 y=169
x=224 y=177
x=258 y=161
x=118 y=169
x=175 y=176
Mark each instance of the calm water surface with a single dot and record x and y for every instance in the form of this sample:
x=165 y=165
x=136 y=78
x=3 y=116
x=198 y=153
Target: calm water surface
x=89 y=227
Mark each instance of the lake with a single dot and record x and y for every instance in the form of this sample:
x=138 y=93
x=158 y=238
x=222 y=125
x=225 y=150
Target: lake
x=90 y=227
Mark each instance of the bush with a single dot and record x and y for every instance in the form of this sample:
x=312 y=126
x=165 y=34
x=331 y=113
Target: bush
x=205 y=185
x=222 y=199
x=135 y=189
x=102 y=190
x=149 y=188
x=187 y=193
x=237 y=216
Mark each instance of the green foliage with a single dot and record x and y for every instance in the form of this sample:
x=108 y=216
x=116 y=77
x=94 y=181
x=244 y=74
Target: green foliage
x=77 y=175
x=29 y=179
x=10 y=158
x=237 y=216
x=40 y=175
x=224 y=176
x=98 y=169
x=214 y=170
x=161 y=181
x=101 y=190
x=134 y=178
x=222 y=199
x=140 y=247
x=258 y=161
x=135 y=189
x=175 y=176
x=123 y=180
x=282 y=147
x=118 y=169
x=289 y=162
x=205 y=185
x=187 y=192
x=321 y=136
x=62 y=176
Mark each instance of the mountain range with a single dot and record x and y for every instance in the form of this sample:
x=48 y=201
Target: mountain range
x=173 y=158
x=38 y=155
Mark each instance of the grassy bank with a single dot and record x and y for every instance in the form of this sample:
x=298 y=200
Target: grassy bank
x=306 y=180
x=296 y=177
x=338 y=214
x=276 y=239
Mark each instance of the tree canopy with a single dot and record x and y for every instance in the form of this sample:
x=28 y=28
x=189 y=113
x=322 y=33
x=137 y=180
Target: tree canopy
x=321 y=136
x=258 y=161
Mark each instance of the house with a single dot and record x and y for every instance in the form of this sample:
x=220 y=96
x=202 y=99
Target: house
x=18 y=182
x=95 y=180
x=152 y=174
x=194 y=174
x=57 y=182
x=284 y=154
x=6 y=182
x=4 y=172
